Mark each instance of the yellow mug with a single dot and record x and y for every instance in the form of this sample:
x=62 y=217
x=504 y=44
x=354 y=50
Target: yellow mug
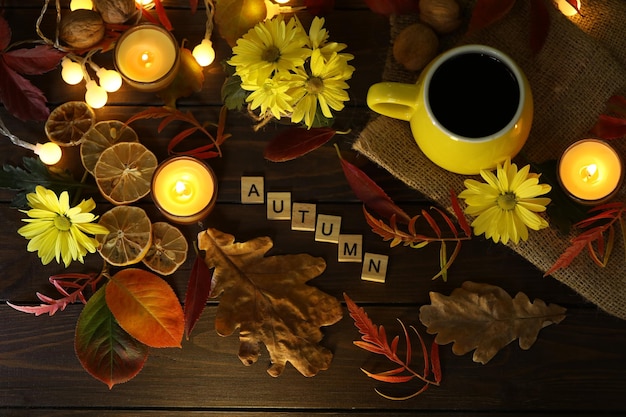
x=470 y=109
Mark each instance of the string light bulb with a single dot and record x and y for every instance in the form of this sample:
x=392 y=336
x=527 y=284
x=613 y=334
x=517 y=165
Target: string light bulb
x=274 y=9
x=95 y=96
x=81 y=4
x=110 y=80
x=566 y=7
x=50 y=153
x=282 y=1
x=145 y=4
x=204 y=53
x=71 y=72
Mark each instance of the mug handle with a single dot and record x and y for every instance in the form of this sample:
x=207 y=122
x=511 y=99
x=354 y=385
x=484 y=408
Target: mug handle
x=392 y=99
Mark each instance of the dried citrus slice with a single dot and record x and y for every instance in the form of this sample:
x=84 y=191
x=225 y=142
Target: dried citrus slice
x=129 y=238
x=67 y=124
x=124 y=172
x=168 y=250
x=100 y=137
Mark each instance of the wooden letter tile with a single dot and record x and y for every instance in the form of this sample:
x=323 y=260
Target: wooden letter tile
x=252 y=190
x=303 y=217
x=279 y=206
x=374 y=267
x=327 y=228
x=350 y=248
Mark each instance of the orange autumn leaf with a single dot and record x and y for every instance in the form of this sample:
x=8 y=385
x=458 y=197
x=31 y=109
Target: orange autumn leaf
x=146 y=307
x=267 y=299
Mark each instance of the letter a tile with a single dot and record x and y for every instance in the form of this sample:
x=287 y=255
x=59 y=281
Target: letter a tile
x=327 y=228
x=374 y=267
x=252 y=190
x=279 y=206
x=350 y=248
x=303 y=217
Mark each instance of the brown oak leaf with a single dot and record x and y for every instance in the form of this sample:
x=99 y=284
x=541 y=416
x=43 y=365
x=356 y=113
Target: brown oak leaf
x=484 y=317
x=267 y=299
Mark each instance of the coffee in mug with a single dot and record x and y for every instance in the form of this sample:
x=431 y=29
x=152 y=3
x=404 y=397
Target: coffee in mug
x=470 y=109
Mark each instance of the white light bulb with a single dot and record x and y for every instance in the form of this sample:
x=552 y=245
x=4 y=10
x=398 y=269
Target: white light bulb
x=50 y=153
x=71 y=72
x=204 y=53
x=95 y=96
x=567 y=9
x=282 y=1
x=110 y=80
x=146 y=4
x=81 y=4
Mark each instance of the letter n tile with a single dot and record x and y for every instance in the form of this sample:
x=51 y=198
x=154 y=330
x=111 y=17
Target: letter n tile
x=374 y=267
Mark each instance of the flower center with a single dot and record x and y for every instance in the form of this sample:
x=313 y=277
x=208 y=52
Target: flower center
x=271 y=54
x=62 y=223
x=507 y=201
x=315 y=85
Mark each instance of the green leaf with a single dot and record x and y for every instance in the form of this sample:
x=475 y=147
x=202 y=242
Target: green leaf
x=233 y=96
x=103 y=348
x=35 y=173
x=235 y=17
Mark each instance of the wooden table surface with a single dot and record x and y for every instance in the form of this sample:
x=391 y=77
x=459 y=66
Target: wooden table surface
x=575 y=368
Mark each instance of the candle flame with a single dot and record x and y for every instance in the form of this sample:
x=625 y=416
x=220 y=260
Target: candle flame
x=589 y=173
x=181 y=189
x=147 y=59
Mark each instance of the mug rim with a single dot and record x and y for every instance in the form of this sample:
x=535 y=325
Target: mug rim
x=487 y=50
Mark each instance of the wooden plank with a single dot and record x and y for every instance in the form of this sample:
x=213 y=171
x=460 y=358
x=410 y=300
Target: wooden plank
x=576 y=365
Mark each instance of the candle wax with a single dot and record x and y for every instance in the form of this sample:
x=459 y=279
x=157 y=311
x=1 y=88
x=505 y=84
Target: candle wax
x=146 y=54
x=590 y=170
x=183 y=187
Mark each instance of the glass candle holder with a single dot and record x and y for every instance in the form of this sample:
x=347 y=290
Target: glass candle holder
x=184 y=189
x=590 y=171
x=147 y=57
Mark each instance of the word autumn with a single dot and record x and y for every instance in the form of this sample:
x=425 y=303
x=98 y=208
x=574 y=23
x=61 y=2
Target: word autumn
x=327 y=228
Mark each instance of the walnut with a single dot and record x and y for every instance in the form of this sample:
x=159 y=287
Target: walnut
x=115 y=11
x=81 y=28
x=441 y=15
x=415 y=46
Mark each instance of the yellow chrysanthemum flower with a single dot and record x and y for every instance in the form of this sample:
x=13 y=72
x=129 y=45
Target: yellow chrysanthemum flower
x=58 y=231
x=325 y=85
x=271 y=47
x=507 y=204
x=271 y=96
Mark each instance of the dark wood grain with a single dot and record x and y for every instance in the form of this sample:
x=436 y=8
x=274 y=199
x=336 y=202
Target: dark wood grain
x=574 y=368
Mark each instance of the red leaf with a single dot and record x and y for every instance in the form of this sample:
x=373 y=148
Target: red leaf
x=574 y=4
x=198 y=292
x=609 y=127
x=294 y=142
x=389 y=378
x=194 y=5
x=459 y=214
x=435 y=361
x=165 y=21
x=22 y=99
x=319 y=7
x=33 y=61
x=539 y=24
x=487 y=12
x=389 y=7
x=5 y=33
x=370 y=193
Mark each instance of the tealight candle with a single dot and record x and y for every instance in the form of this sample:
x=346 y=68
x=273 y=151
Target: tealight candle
x=147 y=57
x=590 y=171
x=184 y=189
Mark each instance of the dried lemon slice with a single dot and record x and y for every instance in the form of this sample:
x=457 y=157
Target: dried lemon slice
x=129 y=238
x=100 y=137
x=168 y=250
x=124 y=172
x=67 y=124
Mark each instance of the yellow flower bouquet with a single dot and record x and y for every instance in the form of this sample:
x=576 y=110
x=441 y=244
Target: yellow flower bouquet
x=279 y=71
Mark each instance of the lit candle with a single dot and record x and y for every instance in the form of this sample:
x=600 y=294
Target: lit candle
x=184 y=189
x=590 y=171
x=147 y=57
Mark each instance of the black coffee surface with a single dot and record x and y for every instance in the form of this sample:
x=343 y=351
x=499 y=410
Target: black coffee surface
x=473 y=95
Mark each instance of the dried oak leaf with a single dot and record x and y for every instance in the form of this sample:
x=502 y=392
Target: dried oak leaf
x=484 y=317
x=266 y=298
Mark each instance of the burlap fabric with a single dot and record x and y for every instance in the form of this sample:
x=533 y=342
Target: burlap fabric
x=582 y=64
